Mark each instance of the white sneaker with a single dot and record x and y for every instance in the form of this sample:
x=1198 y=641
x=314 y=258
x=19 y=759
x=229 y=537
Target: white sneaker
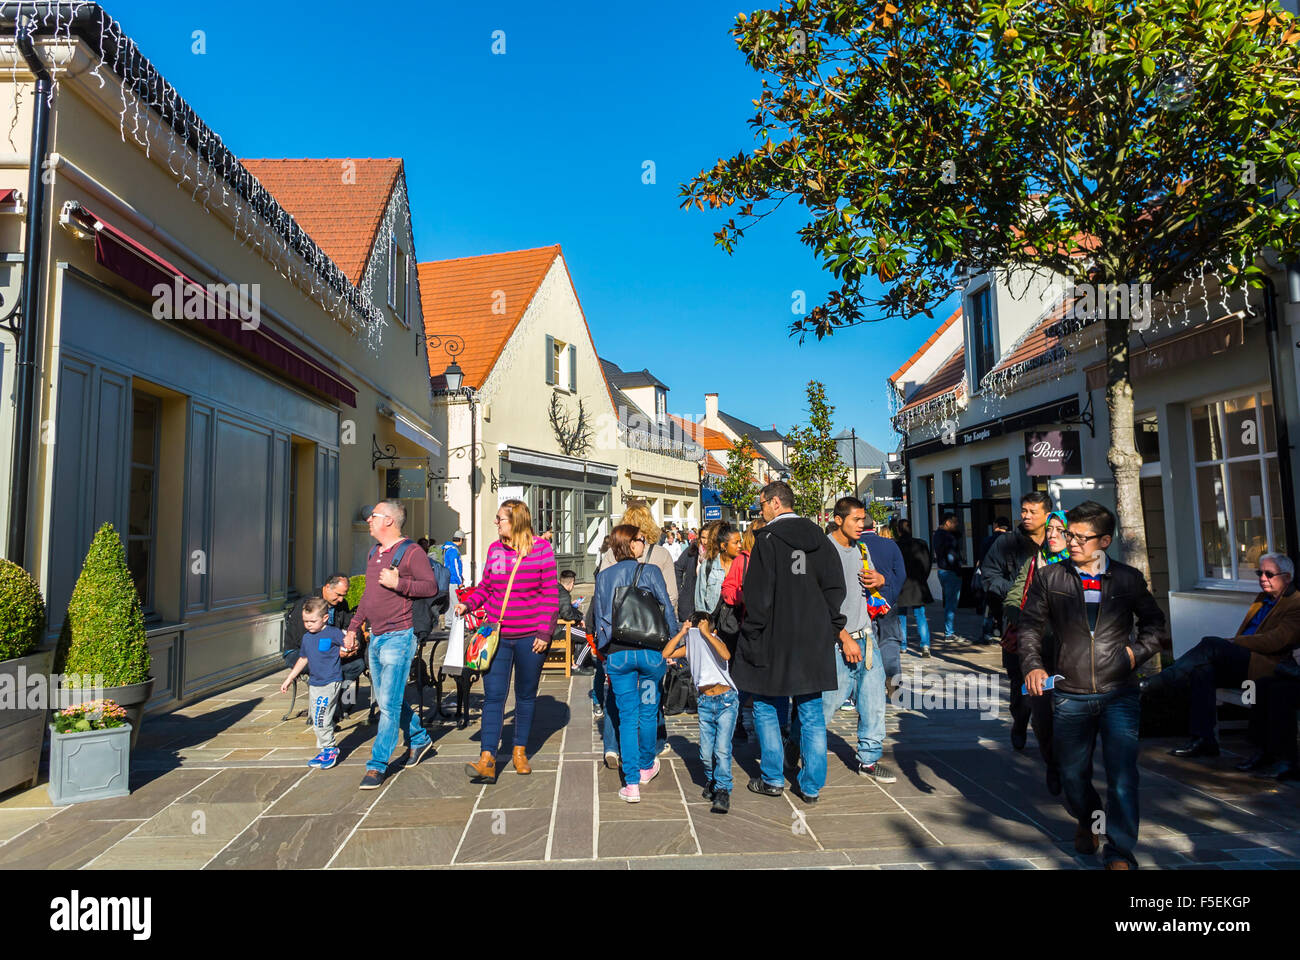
x=611 y=760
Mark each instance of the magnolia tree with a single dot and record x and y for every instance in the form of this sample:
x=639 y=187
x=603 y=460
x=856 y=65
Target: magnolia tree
x=1108 y=143
x=739 y=488
x=817 y=472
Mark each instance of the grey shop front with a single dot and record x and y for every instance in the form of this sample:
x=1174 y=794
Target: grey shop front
x=569 y=495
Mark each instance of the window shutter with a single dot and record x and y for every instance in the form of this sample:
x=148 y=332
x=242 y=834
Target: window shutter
x=550 y=359
x=573 y=368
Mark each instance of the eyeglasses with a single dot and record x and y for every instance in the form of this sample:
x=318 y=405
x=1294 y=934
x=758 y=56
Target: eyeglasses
x=503 y=519
x=639 y=540
x=377 y=516
x=1080 y=538
x=1265 y=573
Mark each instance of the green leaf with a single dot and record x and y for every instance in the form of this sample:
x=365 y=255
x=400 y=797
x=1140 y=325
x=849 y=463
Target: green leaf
x=1148 y=66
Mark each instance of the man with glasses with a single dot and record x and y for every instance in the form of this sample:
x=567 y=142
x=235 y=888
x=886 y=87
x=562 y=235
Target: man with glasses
x=1091 y=604
x=386 y=607
x=1269 y=633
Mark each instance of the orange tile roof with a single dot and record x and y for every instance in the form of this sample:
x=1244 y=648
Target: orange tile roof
x=926 y=346
x=707 y=437
x=1037 y=342
x=944 y=380
x=343 y=218
x=712 y=467
x=457 y=297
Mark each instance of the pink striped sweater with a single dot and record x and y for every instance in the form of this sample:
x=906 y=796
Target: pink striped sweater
x=535 y=597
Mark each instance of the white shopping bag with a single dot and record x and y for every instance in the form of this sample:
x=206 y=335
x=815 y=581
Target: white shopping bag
x=455 y=660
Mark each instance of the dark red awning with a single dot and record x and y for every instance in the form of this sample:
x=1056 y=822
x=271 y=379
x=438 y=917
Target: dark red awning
x=146 y=269
x=8 y=196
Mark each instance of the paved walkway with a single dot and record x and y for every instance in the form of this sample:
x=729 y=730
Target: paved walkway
x=223 y=784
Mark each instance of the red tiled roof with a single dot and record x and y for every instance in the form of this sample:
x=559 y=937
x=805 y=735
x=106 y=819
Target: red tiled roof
x=707 y=437
x=342 y=217
x=712 y=467
x=926 y=346
x=458 y=296
x=1037 y=342
x=944 y=380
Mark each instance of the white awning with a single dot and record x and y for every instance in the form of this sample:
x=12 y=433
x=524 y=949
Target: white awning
x=416 y=434
x=556 y=461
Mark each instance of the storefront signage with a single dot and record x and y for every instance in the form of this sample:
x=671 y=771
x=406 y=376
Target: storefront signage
x=1052 y=453
x=509 y=493
x=406 y=484
x=1054 y=412
x=712 y=513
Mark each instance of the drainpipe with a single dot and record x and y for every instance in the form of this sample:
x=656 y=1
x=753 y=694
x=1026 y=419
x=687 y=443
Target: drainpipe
x=31 y=313
x=473 y=485
x=1280 y=424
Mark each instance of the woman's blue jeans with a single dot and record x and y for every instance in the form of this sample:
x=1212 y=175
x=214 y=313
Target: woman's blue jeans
x=922 y=625
x=516 y=652
x=635 y=676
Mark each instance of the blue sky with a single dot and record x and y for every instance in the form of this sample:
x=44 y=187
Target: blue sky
x=546 y=144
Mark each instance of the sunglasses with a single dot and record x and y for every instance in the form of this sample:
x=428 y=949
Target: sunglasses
x=1265 y=573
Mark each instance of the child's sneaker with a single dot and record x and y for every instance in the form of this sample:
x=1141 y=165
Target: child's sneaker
x=324 y=759
x=631 y=793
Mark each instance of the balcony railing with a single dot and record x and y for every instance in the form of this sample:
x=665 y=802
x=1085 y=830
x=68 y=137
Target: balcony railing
x=664 y=446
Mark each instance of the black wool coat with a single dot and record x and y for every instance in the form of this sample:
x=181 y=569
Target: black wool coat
x=794 y=587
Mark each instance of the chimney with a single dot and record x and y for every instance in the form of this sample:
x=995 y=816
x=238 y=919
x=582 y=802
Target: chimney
x=710 y=408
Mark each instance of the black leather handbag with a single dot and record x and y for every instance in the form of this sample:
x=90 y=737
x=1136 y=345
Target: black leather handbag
x=638 y=618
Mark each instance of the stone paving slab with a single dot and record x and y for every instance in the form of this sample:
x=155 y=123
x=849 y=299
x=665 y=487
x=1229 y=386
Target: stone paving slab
x=223 y=784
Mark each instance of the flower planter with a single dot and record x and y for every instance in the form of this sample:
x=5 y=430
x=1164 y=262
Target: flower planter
x=92 y=765
x=132 y=698
x=22 y=731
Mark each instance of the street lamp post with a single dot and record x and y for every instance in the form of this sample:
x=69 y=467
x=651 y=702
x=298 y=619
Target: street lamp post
x=455 y=379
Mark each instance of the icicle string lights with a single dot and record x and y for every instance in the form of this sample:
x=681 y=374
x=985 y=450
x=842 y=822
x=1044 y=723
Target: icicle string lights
x=205 y=163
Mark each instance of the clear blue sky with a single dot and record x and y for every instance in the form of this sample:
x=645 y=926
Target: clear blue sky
x=545 y=145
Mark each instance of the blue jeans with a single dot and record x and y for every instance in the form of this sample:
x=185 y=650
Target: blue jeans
x=867 y=687
x=598 y=683
x=950 y=580
x=635 y=676
x=812 y=741
x=717 y=716
x=1076 y=721
x=922 y=626
x=891 y=635
x=609 y=726
x=516 y=652
x=390 y=665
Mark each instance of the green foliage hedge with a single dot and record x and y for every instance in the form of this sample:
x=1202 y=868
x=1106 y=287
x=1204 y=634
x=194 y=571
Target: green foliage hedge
x=22 y=612
x=103 y=632
x=356 y=587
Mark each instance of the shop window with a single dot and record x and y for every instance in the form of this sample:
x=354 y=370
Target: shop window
x=553 y=510
x=142 y=508
x=1236 y=484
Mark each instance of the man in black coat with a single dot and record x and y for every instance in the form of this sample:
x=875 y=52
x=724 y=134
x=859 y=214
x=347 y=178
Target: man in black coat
x=999 y=569
x=917 y=563
x=794 y=587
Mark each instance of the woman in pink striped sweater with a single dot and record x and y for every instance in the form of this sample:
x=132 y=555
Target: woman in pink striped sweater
x=526 y=630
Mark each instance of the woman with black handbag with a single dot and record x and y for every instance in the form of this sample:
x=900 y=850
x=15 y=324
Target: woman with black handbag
x=634 y=619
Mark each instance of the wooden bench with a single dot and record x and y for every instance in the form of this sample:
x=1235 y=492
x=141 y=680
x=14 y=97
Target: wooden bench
x=561 y=657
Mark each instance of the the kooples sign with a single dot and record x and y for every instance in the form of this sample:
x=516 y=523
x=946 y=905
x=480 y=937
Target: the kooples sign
x=1052 y=453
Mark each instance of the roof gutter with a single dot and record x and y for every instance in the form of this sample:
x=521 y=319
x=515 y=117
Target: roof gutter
x=31 y=314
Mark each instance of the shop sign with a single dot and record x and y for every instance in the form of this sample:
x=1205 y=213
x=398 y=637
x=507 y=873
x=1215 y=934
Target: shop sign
x=1052 y=453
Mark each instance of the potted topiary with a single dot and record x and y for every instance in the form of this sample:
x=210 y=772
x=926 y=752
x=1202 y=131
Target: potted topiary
x=90 y=753
x=22 y=658
x=103 y=633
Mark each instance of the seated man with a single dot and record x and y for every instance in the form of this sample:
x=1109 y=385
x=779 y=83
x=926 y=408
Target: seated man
x=339 y=614
x=571 y=613
x=1269 y=632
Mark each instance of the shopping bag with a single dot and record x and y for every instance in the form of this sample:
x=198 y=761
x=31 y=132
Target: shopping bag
x=455 y=658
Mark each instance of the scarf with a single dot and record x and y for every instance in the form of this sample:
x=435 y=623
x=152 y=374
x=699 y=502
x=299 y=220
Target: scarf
x=1048 y=556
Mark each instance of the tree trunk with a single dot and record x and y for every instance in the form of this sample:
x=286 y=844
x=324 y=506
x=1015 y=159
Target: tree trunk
x=1125 y=462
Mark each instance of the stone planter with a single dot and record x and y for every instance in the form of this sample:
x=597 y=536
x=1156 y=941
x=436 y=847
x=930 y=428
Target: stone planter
x=131 y=698
x=92 y=765
x=22 y=731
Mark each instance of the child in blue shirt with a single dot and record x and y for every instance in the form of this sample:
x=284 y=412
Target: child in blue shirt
x=319 y=655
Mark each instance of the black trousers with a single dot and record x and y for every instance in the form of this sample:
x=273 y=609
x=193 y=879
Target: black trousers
x=1033 y=711
x=1272 y=718
x=1212 y=663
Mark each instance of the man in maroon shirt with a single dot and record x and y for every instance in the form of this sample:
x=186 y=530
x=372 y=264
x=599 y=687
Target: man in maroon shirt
x=386 y=607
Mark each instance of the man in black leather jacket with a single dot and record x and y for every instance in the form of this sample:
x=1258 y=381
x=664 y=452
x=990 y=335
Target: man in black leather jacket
x=1091 y=604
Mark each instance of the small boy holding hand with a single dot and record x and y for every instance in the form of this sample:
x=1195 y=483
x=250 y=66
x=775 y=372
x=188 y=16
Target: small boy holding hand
x=319 y=655
x=719 y=703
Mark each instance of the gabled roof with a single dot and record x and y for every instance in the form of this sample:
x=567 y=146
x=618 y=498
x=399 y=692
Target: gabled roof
x=618 y=377
x=742 y=427
x=907 y=364
x=706 y=437
x=342 y=217
x=458 y=297
x=867 y=455
x=712 y=467
x=944 y=380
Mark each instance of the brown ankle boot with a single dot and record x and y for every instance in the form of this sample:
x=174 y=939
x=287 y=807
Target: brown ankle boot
x=485 y=769
x=520 y=760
